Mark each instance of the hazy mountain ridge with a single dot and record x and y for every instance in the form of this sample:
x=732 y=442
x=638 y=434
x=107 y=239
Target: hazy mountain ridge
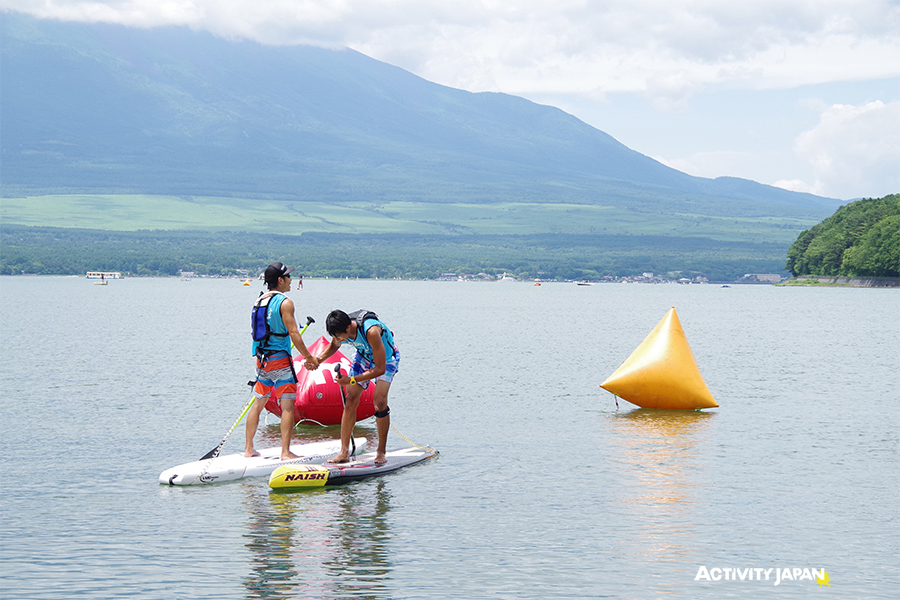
x=107 y=109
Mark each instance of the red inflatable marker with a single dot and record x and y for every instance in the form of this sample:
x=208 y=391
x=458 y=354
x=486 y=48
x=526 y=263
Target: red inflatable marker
x=318 y=396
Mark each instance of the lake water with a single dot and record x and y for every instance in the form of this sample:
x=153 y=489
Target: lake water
x=543 y=488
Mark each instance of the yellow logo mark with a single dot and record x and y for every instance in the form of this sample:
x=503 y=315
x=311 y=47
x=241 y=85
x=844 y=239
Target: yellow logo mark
x=824 y=579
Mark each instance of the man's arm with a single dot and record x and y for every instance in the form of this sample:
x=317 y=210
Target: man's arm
x=331 y=349
x=379 y=355
x=287 y=316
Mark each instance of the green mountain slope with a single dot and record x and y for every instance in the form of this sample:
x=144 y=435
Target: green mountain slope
x=107 y=109
x=174 y=135
x=286 y=217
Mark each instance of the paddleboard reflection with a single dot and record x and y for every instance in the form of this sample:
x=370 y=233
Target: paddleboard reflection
x=323 y=543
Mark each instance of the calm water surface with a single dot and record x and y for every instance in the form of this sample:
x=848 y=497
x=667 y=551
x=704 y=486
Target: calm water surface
x=543 y=488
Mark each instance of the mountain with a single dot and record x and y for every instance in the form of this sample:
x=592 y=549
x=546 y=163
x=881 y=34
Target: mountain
x=106 y=109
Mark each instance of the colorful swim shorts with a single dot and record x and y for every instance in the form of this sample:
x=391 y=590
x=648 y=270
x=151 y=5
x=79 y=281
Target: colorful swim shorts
x=276 y=377
x=361 y=364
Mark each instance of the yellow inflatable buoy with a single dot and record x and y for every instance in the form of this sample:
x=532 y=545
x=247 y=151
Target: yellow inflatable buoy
x=662 y=372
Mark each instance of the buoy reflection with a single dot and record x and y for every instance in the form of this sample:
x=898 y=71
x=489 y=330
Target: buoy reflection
x=659 y=450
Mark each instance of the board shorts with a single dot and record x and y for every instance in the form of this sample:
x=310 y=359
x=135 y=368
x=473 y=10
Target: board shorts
x=276 y=378
x=361 y=364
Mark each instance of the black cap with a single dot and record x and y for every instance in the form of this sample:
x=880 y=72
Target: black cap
x=274 y=271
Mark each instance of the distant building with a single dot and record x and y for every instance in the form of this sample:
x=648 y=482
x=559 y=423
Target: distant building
x=763 y=277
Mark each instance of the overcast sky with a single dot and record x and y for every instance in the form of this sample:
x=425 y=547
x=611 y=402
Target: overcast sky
x=803 y=94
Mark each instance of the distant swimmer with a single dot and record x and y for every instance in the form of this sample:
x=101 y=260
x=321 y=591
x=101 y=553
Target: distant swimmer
x=377 y=359
x=274 y=328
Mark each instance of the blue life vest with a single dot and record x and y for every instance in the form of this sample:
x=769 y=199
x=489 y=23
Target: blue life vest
x=270 y=334
x=365 y=320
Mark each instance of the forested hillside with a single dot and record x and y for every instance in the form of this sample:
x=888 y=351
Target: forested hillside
x=66 y=251
x=861 y=239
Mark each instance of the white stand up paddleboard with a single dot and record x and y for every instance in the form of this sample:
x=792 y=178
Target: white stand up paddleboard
x=237 y=466
x=292 y=477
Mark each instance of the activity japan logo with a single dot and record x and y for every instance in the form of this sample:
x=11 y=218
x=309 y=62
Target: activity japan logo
x=776 y=575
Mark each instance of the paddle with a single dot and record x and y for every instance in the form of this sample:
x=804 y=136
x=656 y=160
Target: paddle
x=215 y=451
x=337 y=373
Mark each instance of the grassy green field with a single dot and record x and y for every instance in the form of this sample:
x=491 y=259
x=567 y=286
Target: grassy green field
x=65 y=234
x=136 y=212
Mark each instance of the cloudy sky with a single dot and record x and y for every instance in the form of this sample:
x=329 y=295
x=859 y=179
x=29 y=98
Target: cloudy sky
x=803 y=94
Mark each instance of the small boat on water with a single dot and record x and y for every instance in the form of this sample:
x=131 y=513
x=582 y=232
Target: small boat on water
x=103 y=277
x=246 y=282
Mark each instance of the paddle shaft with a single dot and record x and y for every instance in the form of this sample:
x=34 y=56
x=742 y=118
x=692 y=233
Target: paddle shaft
x=337 y=372
x=302 y=331
x=215 y=451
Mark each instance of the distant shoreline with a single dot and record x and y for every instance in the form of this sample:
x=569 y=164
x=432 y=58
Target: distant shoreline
x=830 y=281
x=803 y=281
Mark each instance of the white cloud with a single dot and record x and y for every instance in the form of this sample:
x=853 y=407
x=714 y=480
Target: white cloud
x=854 y=151
x=664 y=48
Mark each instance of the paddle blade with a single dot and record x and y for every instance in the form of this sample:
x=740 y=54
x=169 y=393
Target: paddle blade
x=212 y=453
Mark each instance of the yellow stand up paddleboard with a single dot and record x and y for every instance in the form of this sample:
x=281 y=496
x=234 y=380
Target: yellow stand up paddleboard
x=662 y=372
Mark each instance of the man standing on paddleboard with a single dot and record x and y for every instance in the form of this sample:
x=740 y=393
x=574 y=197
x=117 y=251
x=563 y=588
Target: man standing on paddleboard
x=274 y=328
x=376 y=359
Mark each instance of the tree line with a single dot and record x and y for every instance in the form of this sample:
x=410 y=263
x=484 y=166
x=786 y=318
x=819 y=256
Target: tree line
x=861 y=239
x=65 y=251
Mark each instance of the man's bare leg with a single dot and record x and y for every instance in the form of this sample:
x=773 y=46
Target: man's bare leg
x=252 y=424
x=382 y=424
x=287 y=428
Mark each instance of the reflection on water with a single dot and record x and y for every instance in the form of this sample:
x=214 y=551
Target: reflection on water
x=270 y=540
x=659 y=449
x=325 y=543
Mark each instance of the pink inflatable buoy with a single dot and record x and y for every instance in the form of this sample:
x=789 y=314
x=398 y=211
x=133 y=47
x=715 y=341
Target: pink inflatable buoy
x=318 y=396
